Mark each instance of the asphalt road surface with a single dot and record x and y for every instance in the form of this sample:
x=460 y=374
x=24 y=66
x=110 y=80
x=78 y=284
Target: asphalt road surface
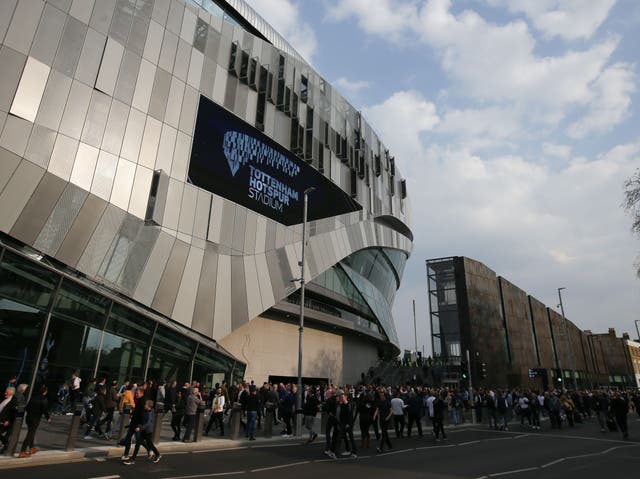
x=475 y=453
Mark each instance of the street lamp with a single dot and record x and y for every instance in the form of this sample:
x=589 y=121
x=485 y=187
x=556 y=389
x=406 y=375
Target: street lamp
x=637 y=330
x=301 y=328
x=566 y=333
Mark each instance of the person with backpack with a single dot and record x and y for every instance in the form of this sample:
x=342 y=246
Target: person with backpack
x=144 y=434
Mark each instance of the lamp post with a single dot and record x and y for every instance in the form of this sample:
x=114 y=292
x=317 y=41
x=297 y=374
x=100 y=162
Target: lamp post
x=637 y=330
x=301 y=328
x=566 y=333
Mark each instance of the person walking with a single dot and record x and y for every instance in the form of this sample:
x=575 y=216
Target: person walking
x=177 y=414
x=310 y=410
x=110 y=401
x=383 y=414
x=136 y=420
x=7 y=416
x=144 y=435
x=250 y=405
x=439 y=408
x=345 y=416
x=98 y=407
x=365 y=412
x=620 y=409
x=397 y=407
x=37 y=407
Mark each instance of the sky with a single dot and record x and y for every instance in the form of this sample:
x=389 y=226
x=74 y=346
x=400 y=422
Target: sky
x=515 y=123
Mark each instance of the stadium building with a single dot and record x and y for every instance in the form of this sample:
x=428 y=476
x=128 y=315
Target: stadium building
x=154 y=158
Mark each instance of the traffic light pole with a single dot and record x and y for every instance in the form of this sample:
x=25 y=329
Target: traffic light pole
x=473 y=410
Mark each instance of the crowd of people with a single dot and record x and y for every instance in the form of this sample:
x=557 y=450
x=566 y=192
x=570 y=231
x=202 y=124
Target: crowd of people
x=375 y=409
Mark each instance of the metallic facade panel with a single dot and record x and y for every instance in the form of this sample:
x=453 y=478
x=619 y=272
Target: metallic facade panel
x=81 y=9
x=220 y=85
x=133 y=135
x=30 y=89
x=40 y=145
x=104 y=175
x=152 y=271
x=63 y=156
x=189 y=107
x=186 y=299
x=168 y=51
x=183 y=57
x=201 y=219
x=96 y=121
x=123 y=183
x=166 y=148
x=24 y=23
x=264 y=280
x=215 y=220
x=150 y=142
x=228 y=218
x=261 y=234
x=160 y=94
x=70 y=46
x=61 y=219
x=188 y=26
x=121 y=21
x=174 y=105
x=153 y=43
x=252 y=287
x=102 y=15
x=250 y=233
x=188 y=209
x=54 y=100
x=195 y=68
x=38 y=208
x=239 y=228
x=239 y=309
x=144 y=86
x=172 y=207
x=126 y=84
x=140 y=192
x=15 y=134
x=275 y=274
x=180 y=162
x=90 y=57
x=76 y=110
x=138 y=33
x=12 y=63
x=115 y=128
x=6 y=13
x=110 y=66
x=222 y=312
x=17 y=192
x=84 y=166
x=145 y=239
x=205 y=298
x=174 y=20
x=167 y=291
x=81 y=230
x=161 y=11
x=48 y=35
x=8 y=163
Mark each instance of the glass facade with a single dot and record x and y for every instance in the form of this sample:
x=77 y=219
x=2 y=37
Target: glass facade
x=52 y=325
x=443 y=306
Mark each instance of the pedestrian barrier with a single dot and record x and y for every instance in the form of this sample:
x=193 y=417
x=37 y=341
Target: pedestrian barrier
x=236 y=415
x=157 y=425
x=15 y=431
x=199 y=425
x=268 y=423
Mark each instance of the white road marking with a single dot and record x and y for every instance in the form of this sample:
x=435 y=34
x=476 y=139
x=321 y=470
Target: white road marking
x=395 y=452
x=276 y=445
x=516 y=471
x=175 y=453
x=105 y=477
x=219 y=450
x=217 y=474
x=280 y=467
x=553 y=463
x=469 y=442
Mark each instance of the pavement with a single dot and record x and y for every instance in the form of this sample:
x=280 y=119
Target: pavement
x=51 y=439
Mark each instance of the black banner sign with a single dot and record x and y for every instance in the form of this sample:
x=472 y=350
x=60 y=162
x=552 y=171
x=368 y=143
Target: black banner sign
x=236 y=161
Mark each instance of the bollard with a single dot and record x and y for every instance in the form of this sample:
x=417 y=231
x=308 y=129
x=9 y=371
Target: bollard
x=75 y=424
x=124 y=420
x=12 y=445
x=234 y=423
x=199 y=425
x=157 y=424
x=268 y=423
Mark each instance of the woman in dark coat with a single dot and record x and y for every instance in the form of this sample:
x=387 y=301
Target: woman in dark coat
x=38 y=406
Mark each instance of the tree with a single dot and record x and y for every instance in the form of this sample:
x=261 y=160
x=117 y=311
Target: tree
x=632 y=205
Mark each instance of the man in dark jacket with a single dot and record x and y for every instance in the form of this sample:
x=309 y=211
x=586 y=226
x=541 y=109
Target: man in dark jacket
x=37 y=407
x=415 y=412
x=345 y=414
x=98 y=407
x=136 y=419
x=620 y=409
x=110 y=401
x=250 y=404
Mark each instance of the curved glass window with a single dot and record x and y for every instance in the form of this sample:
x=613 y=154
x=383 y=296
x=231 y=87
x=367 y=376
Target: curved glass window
x=382 y=267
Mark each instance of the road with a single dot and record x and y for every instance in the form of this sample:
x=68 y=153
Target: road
x=468 y=453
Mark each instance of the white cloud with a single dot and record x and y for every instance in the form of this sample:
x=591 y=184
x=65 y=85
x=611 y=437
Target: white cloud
x=611 y=102
x=350 y=86
x=556 y=150
x=569 y=19
x=380 y=17
x=401 y=120
x=284 y=17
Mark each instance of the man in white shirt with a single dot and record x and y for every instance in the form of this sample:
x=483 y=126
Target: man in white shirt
x=397 y=409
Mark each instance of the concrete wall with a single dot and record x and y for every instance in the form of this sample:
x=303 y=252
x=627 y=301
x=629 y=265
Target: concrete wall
x=341 y=359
